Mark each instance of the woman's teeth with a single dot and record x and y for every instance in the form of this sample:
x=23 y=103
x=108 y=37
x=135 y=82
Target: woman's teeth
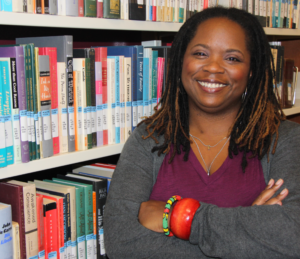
x=211 y=85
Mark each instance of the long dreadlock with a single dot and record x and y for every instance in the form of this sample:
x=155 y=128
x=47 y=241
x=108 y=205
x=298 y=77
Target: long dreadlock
x=260 y=113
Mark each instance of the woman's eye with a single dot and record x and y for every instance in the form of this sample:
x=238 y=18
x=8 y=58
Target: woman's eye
x=233 y=59
x=199 y=54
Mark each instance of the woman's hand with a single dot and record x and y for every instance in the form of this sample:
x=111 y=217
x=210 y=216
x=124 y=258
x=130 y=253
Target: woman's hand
x=151 y=215
x=265 y=198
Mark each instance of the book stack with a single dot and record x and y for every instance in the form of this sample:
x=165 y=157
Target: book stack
x=58 y=218
x=55 y=99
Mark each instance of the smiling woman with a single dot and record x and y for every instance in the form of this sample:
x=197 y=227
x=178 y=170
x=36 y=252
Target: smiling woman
x=219 y=139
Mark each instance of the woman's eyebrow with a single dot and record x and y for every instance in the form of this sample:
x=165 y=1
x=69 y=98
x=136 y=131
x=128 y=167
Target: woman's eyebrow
x=234 y=50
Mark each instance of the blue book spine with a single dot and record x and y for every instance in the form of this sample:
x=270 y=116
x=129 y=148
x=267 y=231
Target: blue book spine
x=145 y=86
x=3 y=161
x=6 y=94
x=6 y=5
x=277 y=14
x=117 y=99
x=140 y=55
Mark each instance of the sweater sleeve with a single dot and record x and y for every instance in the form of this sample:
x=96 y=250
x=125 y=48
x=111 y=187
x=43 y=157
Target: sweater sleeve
x=266 y=232
x=131 y=185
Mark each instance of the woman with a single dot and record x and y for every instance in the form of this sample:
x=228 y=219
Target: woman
x=219 y=110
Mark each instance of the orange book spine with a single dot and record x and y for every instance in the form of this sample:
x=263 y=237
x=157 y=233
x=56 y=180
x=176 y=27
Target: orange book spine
x=51 y=233
x=43 y=7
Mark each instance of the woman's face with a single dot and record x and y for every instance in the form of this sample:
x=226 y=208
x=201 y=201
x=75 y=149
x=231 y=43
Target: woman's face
x=216 y=66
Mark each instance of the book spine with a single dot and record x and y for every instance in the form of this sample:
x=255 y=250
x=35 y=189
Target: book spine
x=6 y=234
x=61 y=243
x=72 y=8
x=67 y=225
x=80 y=8
x=6 y=100
x=122 y=99
x=62 y=107
x=111 y=99
x=38 y=99
x=15 y=112
x=103 y=60
x=3 y=158
x=35 y=83
x=100 y=8
x=94 y=225
x=45 y=100
x=40 y=224
x=53 y=7
x=98 y=77
x=71 y=124
x=17 y=6
x=88 y=102
x=128 y=102
x=154 y=80
x=139 y=83
x=117 y=100
x=61 y=7
x=16 y=240
x=76 y=84
x=6 y=6
x=145 y=86
x=90 y=8
x=91 y=56
x=89 y=225
x=29 y=6
x=134 y=81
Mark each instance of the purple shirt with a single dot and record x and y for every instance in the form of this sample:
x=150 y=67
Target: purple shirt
x=227 y=187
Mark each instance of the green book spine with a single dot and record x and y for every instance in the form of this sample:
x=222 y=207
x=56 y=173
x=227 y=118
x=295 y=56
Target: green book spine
x=27 y=83
x=88 y=208
x=111 y=9
x=88 y=101
x=80 y=217
x=90 y=8
x=35 y=108
x=90 y=53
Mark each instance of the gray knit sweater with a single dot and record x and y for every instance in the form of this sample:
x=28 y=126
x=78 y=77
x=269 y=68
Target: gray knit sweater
x=269 y=231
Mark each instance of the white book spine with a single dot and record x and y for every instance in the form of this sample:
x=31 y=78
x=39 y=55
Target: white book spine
x=17 y=6
x=61 y=7
x=30 y=6
x=128 y=104
x=113 y=102
x=107 y=122
x=122 y=100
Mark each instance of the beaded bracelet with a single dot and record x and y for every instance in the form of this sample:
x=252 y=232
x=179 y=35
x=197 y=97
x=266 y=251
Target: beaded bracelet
x=166 y=214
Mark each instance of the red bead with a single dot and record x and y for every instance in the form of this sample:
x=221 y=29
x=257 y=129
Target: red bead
x=182 y=217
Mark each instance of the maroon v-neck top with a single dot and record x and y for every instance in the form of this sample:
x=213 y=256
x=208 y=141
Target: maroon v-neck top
x=227 y=187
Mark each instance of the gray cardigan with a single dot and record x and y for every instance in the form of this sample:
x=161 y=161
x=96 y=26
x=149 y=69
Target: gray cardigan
x=269 y=231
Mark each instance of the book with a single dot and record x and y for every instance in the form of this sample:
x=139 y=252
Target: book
x=128 y=103
x=60 y=221
x=99 y=187
x=77 y=112
x=80 y=8
x=101 y=56
x=52 y=53
x=81 y=118
x=7 y=110
x=122 y=84
x=17 y=6
x=64 y=45
x=90 y=8
x=6 y=233
x=97 y=169
x=50 y=223
x=3 y=153
x=29 y=200
x=68 y=192
x=137 y=10
x=154 y=80
x=62 y=107
x=17 y=52
x=88 y=102
x=72 y=8
x=100 y=8
x=45 y=100
x=16 y=240
x=13 y=194
x=111 y=9
x=40 y=225
x=6 y=6
x=99 y=108
x=111 y=100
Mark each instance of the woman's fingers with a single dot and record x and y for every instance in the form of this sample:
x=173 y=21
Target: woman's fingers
x=279 y=198
x=266 y=195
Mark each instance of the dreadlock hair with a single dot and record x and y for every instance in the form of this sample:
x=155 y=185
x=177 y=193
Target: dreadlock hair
x=260 y=113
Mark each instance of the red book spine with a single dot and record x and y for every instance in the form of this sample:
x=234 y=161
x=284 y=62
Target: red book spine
x=50 y=217
x=154 y=13
x=101 y=56
x=40 y=223
x=80 y=8
x=104 y=165
x=52 y=53
x=205 y=4
x=100 y=8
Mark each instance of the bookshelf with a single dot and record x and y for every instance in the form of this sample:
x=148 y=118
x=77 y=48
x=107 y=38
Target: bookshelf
x=15 y=23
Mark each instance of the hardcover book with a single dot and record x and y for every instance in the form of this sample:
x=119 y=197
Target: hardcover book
x=111 y=9
x=90 y=8
x=137 y=10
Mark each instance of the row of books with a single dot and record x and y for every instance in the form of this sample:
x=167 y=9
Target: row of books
x=55 y=99
x=150 y=10
x=55 y=219
x=272 y=13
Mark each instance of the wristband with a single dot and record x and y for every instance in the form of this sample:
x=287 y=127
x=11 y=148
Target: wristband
x=182 y=217
x=166 y=214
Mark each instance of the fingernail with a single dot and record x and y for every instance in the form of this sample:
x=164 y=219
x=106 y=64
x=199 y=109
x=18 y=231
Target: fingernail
x=280 y=181
x=283 y=191
x=269 y=184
